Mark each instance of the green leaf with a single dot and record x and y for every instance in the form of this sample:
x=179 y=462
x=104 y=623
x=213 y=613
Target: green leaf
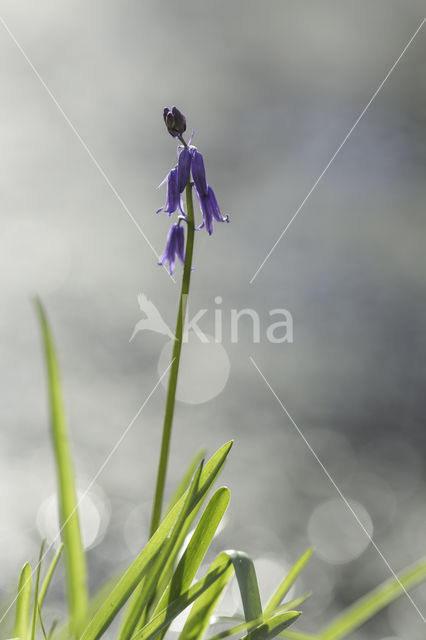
x=131 y=578
x=186 y=479
x=201 y=611
x=293 y=604
x=247 y=583
x=144 y=596
x=288 y=582
x=367 y=606
x=20 y=630
x=52 y=629
x=49 y=574
x=62 y=633
x=265 y=628
x=249 y=590
x=36 y=592
x=274 y=625
x=75 y=560
x=164 y=618
x=194 y=553
x=145 y=593
x=297 y=635
x=41 y=622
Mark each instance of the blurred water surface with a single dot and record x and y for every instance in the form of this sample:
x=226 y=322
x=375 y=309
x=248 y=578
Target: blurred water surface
x=271 y=90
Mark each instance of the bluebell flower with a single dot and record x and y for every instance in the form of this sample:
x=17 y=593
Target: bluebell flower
x=199 y=173
x=210 y=209
x=190 y=162
x=173 y=200
x=206 y=196
x=184 y=167
x=175 y=246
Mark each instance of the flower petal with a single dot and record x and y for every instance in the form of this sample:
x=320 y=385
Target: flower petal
x=174 y=247
x=199 y=172
x=184 y=166
x=180 y=244
x=206 y=211
x=210 y=209
x=173 y=195
x=215 y=211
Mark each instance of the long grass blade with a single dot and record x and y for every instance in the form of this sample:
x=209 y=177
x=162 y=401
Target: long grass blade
x=297 y=635
x=247 y=583
x=264 y=627
x=194 y=553
x=36 y=592
x=367 y=606
x=43 y=628
x=75 y=560
x=279 y=595
x=201 y=611
x=164 y=618
x=131 y=578
x=293 y=604
x=146 y=598
x=145 y=593
x=20 y=629
x=274 y=625
x=52 y=629
x=46 y=582
x=186 y=478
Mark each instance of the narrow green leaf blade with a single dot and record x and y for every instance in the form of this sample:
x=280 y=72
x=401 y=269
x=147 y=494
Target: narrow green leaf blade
x=247 y=583
x=297 y=635
x=145 y=593
x=75 y=560
x=279 y=595
x=43 y=629
x=186 y=478
x=293 y=604
x=280 y=620
x=131 y=578
x=20 y=630
x=164 y=618
x=147 y=596
x=52 y=629
x=261 y=628
x=46 y=582
x=36 y=592
x=274 y=625
x=367 y=606
x=198 y=545
x=199 y=618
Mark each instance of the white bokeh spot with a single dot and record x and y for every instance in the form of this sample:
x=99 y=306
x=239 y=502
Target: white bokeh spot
x=204 y=369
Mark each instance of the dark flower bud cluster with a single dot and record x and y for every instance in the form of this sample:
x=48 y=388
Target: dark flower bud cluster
x=190 y=161
x=175 y=121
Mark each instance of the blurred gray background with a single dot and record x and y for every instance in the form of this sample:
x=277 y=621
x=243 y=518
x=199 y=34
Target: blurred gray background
x=271 y=89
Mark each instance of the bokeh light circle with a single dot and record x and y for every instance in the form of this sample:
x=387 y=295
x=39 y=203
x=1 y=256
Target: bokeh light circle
x=94 y=517
x=204 y=369
x=335 y=532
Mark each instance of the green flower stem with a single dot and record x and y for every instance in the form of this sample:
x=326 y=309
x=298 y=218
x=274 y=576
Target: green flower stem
x=174 y=369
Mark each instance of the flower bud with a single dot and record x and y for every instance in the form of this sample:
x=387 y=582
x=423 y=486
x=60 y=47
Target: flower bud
x=175 y=121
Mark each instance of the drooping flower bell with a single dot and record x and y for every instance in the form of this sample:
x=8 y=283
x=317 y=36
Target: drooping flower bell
x=206 y=196
x=173 y=199
x=175 y=246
